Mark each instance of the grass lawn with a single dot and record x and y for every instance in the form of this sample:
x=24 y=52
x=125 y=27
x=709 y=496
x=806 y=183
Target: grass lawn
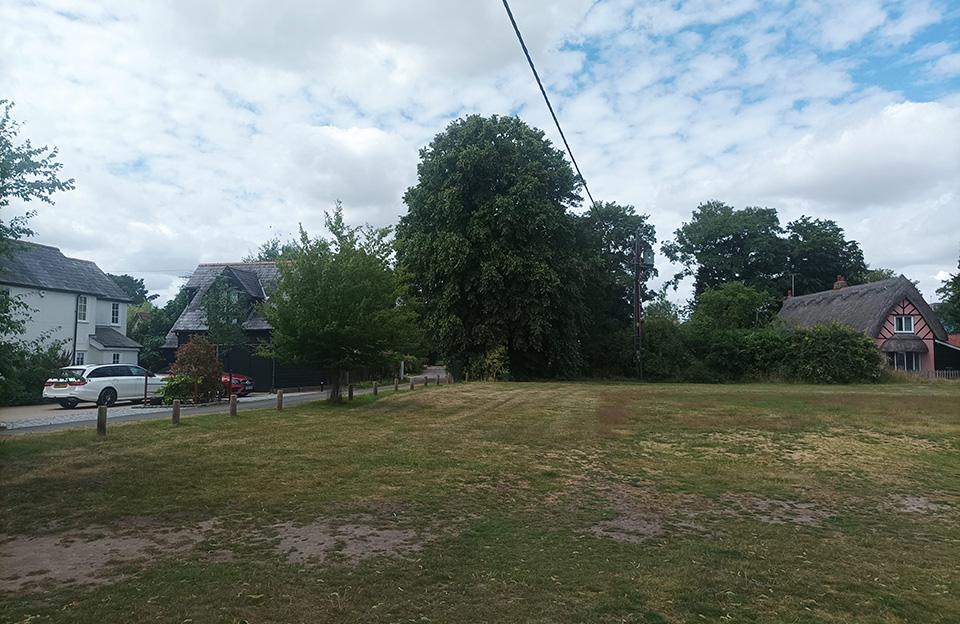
x=499 y=503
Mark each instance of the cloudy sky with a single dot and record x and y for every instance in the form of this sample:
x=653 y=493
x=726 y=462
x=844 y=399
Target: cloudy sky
x=196 y=131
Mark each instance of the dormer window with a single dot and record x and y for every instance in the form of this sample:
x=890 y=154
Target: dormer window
x=903 y=324
x=114 y=313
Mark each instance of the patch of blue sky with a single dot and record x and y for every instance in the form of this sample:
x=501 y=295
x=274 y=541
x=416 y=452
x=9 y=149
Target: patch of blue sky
x=234 y=100
x=73 y=17
x=135 y=167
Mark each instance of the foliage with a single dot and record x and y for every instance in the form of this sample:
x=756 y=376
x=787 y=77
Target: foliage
x=133 y=287
x=152 y=332
x=834 y=354
x=949 y=308
x=271 y=251
x=817 y=253
x=492 y=249
x=181 y=388
x=26 y=173
x=608 y=233
x=878 y=275
x=198 y=360
x=25 y=366
x=721 y=244
x=665 y=355
x=339 y=305
x=733 y=306
x=225 y=309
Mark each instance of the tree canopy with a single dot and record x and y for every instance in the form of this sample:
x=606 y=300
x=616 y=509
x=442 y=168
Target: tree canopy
x=339 y=304
x=494 y=253
x=722 y=244
x=271 y=251
x=949 y=308
x=134 y=288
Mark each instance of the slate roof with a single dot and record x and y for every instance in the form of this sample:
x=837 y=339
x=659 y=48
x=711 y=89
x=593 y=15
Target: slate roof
x=38 y=266
x=254 y=278
x=112 y=339
x=864 y=307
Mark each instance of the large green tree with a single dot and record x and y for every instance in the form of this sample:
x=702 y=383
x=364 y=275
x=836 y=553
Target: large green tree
x=817 y=252
x=151 y=332
x=494 y=251
x=721 y=244
x=339 y=304
x=609 y=231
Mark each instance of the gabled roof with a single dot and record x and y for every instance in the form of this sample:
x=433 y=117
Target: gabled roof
x=38 y=266
x=112 y=339
x=254 y=278
x=864 y=307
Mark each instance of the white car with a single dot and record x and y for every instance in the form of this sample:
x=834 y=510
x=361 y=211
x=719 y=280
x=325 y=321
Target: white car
x=104 y=384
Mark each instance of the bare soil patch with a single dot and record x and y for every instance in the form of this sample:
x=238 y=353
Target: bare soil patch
x=88 y=557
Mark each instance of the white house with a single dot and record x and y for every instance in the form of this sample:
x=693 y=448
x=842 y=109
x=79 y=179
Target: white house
x=70 y=300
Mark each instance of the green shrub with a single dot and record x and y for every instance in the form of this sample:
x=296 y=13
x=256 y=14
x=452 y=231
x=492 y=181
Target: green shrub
x=834 y=354
x=25 y=366
x=198 y=361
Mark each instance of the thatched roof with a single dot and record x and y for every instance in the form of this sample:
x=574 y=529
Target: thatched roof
x=865 y=307
x=904 y=343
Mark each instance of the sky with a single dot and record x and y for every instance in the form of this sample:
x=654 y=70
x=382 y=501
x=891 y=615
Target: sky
x=197 y=131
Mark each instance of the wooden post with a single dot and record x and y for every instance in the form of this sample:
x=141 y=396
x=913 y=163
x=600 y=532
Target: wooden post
x=426 y=381
x=411 y=384
x=102 y=420
x=233 y=405
x=176 y=411
x=374 y=388
x=145 y=403
x=438 y=380
x=280 y=400
x=396 y=384
x=466 y=377
x=350 y=392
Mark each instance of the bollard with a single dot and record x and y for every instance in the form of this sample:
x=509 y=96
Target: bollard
x=321 y=386
x=411 y=384
x=233 y=405
x=102 y=420
x=374 y=388
x=466 y=377
x=396 y=384
x=426 y=381
x=350 y=392
x=176 y=411
x=438 y=380
x=280 y=400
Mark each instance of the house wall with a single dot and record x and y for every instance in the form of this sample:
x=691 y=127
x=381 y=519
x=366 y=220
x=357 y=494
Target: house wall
x=51 y=312
x=920 y=329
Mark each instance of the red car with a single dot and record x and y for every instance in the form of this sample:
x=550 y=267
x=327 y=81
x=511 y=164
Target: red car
x=242 y=384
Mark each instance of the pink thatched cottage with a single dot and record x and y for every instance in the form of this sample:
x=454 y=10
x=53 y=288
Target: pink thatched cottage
x=892 y=312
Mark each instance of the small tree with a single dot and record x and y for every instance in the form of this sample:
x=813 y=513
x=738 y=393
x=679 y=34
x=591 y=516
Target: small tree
x=198 y=360
x=225 y=310
x=339 y=304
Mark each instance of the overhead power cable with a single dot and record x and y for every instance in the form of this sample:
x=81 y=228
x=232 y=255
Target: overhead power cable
x=546 y=99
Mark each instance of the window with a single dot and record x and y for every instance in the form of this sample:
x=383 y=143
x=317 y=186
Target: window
x=80 y=357
x=82 y=308
x=116 y=358
x=905 y=361
x=115 y=314
x=903 y=324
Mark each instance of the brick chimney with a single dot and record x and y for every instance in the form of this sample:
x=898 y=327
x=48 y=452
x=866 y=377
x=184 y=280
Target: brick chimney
x=840 y=283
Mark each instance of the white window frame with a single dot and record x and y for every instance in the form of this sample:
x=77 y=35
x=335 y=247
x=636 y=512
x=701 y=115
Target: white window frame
x=116 y=358
x=80 y=357
x=114 y=313
x=900 y=324
x=82 y=308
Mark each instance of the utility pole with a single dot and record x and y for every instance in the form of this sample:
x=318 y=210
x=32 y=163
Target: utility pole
x=642 y=259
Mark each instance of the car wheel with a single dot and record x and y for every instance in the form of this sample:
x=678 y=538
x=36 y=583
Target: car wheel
x=108 y=397
x=69 y=403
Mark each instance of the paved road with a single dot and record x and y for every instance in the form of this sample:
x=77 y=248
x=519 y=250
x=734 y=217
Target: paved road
x=49 y=417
